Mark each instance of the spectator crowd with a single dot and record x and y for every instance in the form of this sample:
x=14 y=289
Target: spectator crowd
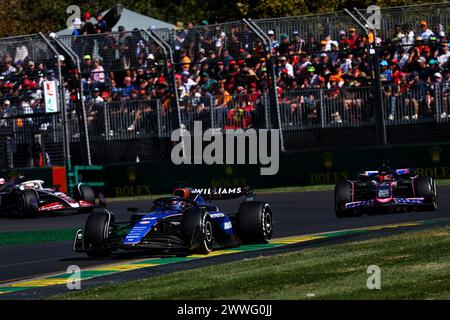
x=227 y=70
x=21 y=83
x=414 y=68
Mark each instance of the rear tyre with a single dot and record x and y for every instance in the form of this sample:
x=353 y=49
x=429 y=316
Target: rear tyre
x=27 y=203
x=198 y=231
x=255 y=222
x=343 y=194
x=425 y=187
x=96 y=234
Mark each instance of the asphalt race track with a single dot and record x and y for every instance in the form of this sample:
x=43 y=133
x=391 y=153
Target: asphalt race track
x=295 y=214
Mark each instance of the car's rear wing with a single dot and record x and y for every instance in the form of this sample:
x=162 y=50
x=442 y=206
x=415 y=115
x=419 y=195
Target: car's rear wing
x=225 y=193
x=397 y=171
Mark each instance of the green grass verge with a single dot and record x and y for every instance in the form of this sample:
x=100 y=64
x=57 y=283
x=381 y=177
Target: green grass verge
x=443 y=182
x=413 y=265
x=32 y=237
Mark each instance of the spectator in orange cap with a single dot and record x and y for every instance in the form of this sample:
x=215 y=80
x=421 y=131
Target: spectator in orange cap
x=424 y=32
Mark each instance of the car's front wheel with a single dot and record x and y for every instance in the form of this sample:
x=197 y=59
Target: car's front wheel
x=96 y=234
x=343 y=194
x=27 y=203
x=198 y=231
x=425 y=187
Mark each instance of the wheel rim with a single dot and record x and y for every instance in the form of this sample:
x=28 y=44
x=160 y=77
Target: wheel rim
x=435 y=202
x=435 y=199
x=267 y=222
x=208 y=232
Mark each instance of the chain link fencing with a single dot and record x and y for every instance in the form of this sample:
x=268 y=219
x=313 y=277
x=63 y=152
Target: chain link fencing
x=408 y=18
x=32 y=136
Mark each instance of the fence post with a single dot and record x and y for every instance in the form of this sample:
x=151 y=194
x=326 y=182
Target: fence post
x=378 y=98
x=266 y=110
x=437 y=101
x=106 y=120
x=158 y=117
x=270 y=65
x=171 y=71
x=441 y=18
x=322 y=108
x=329 y=27
x=9 y=152
x=212 y=111
x=84 y=132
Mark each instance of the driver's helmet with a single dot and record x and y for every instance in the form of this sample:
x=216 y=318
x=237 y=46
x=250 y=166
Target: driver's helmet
x=384 y=173
x=178 y=205
x=186 y=193
x=384 y=177
x=2 y=181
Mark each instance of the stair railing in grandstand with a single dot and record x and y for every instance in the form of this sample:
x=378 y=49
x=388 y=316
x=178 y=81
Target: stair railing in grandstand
x=80 y=107
x=272 y=76
x=62 y=104
x=170 y=70
x=375 y=68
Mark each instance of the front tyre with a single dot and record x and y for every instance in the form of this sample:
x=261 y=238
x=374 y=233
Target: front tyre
x=425 y=187
x=27 y=203
x=255 y=222
x=198 y=231
x=96 y=234
x=343 y=194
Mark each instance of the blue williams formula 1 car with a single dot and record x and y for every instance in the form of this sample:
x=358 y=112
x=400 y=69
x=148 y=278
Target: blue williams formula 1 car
x=183 y=223
x=393 y=190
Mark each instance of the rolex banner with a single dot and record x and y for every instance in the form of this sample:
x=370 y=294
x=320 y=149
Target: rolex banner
x=301 y=168
x=51 y=98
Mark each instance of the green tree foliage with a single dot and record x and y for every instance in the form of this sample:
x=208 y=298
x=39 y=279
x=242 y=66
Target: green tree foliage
x=28 y=16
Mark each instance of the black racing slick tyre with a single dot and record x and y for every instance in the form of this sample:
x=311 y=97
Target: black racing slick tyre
x=96 y=234
x=198 y=231
x=255 y=222
x=425 y=187
x=27 y=203
x=342 y=195
x=83 y=192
